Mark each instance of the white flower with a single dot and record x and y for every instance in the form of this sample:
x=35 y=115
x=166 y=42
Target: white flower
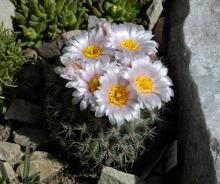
x=116 y=99
x=129 y=39
x=70 y=69
x=89 y=46
x=151 y=83
x=129 y=61
x=86 y=83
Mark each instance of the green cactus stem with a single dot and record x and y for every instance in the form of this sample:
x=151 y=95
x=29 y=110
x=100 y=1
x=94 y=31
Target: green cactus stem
x=94 y=141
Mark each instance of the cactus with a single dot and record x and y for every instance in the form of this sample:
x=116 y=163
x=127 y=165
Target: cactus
x=11 y=60
x=94 y=141
x=40 y=20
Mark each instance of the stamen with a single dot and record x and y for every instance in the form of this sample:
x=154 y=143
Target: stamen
x=118 y=95
x=144 y=84
x=94 y=83
x=92 y=51
x=130 y=44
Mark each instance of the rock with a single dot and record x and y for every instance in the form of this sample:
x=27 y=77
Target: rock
x=31 y=83
x=215 y=147
x=195 y=161
x=154 y=12
x=7 y=170
x=113 y=176
x=160 y=34
x=50 y=50
x=68 y=35
x=202 y=36
x=155 y=180
x=150 y=163
x=5 y=132
x=93 y=21
x=45 y=163
x=39 y=155
x=32 y=137
x=30 y=54
x=24 y=111
x=10 y=152
x=7 y=11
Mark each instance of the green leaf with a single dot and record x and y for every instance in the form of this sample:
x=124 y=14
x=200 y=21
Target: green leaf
x=26 y=162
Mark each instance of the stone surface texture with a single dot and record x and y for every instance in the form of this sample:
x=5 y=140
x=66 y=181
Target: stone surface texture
x=202 y=36
x=113 y=176
x=10 y=152
x=33 y=137
x=24 y=111
x=154 y=12
x=9 y=172
x=7 y=11
x=45 y=163
x=195 y=161
x=5 y=132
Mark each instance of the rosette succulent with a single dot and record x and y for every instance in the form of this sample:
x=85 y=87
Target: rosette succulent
x=43 y=19
x=116 y=10
x=40 y=20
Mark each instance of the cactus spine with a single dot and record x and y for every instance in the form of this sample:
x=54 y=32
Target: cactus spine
x=94 y=141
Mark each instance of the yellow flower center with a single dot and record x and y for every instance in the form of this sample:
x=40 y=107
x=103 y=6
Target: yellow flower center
x=130 y=45
x=92 y=51
x=94 y=83
x=144 y=84
x=118 y=95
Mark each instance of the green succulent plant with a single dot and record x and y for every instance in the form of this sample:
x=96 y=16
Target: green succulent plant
x=94 y=141
x=2 y=180
x=44 y=19
x=40 y=20
x=115 y=10
x=11 y=60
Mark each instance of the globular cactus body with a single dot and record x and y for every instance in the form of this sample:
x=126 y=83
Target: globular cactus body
x=95 y=141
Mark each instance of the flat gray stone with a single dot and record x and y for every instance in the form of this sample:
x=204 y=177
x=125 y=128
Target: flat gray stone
x=70 y=34
x=24 y=111
x=113 y=176
x=45 y=163
x=10 y=152
x=7 y=11
x=202 y=36
x=154 y=12
x=33 y=137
